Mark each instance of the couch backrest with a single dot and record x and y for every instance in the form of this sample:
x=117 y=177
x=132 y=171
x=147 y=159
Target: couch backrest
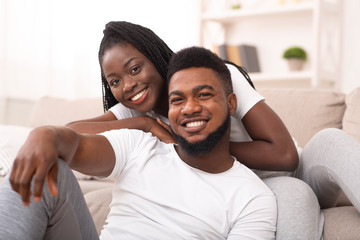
x=351 y=121
x=306 y=111
x=59 y=111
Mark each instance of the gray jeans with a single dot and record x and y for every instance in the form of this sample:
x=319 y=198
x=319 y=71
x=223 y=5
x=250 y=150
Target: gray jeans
x=64 y=216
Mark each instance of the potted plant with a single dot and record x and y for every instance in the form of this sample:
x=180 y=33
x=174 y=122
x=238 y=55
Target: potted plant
x=296 y=57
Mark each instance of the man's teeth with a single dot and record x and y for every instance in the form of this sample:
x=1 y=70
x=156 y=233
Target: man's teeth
x=139 y=95
x=195 y=124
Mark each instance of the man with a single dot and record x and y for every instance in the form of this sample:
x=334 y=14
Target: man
x=191 y=190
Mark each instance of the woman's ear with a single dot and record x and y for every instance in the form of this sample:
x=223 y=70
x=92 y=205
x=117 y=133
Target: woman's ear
x=232 y=103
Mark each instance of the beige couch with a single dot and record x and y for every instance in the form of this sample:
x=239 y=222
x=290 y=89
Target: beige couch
x=304 y=112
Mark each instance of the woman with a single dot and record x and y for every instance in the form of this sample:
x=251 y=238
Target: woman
x=134 y=62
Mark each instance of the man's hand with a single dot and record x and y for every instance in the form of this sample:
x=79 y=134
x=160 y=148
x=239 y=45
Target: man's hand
x=36 y=160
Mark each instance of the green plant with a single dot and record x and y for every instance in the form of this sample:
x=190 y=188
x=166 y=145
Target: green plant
x=295 y=52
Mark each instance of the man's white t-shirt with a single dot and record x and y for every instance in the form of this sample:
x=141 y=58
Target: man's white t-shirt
x=158 y=196
x=247 y=97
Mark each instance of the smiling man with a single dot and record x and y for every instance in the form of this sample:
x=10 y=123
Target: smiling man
x=191 y=190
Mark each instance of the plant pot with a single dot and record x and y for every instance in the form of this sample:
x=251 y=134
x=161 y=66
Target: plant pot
x=296 y=64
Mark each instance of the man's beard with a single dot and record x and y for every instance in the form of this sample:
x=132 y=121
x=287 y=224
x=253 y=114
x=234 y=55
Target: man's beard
x=206 y=145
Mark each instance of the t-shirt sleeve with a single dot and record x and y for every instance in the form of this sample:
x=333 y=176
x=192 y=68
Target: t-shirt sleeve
x=246 y=96
x=257 y=221
x=124 y=142
x=122 y=112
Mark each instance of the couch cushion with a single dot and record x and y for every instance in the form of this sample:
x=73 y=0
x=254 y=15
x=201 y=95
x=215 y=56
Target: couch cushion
x=11 y=139
x=59 y=111
x=98 y=202
x=341 y=223
x=351 y=121
x=306 y=111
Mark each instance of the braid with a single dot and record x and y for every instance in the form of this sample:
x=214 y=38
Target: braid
x=145 y=40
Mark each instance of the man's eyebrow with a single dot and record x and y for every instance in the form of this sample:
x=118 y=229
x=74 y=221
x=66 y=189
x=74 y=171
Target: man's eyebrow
x=195 y=90
x=201 y=87
x=125 y=65
x=175 y=92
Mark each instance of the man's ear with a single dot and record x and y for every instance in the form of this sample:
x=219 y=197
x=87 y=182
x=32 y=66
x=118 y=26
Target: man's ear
x=232 y=103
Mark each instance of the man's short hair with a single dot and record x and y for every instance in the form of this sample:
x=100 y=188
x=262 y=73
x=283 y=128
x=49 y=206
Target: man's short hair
x=200 y=57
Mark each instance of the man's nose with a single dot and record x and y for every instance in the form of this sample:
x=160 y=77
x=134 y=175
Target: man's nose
x=191 y=106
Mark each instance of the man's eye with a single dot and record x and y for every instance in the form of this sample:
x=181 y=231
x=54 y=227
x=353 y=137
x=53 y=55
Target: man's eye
x=205 y=95
x=176 y=100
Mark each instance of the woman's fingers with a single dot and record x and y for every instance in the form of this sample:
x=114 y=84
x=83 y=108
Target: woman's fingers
x=164 y=125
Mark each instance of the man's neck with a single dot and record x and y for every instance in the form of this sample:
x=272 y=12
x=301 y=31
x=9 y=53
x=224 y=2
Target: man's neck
x=216 y=161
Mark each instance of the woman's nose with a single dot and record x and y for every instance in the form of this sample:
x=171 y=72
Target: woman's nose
x=129 y=84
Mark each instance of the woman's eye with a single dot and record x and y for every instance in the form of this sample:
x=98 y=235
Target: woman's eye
x=135 y=69
x=114 y=82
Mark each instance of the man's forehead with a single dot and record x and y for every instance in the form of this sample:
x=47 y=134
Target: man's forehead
x=194 y=78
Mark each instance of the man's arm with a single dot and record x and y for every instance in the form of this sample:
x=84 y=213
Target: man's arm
x=37 y=159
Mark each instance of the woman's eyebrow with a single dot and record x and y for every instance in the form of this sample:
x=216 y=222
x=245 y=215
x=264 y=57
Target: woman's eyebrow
x=125 y=65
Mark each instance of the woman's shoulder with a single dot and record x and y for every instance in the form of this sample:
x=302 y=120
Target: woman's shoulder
x=122 y=112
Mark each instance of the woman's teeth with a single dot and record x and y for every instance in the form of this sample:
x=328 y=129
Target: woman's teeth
x=138 y=96
x=195 y=124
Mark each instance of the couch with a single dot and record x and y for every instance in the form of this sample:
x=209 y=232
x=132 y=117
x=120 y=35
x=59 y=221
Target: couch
x=304 y=112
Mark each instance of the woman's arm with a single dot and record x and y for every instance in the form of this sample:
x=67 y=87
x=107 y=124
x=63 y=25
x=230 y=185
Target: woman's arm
x=103 y=123
x=108 y=121
x=272 y=147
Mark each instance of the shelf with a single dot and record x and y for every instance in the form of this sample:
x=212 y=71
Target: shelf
x=230 y=15
x=286 y=76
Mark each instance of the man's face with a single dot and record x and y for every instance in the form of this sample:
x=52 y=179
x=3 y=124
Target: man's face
x=198 y=106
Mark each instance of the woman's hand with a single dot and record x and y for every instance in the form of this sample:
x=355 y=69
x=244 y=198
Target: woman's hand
x=37 y=159
x=160 y=130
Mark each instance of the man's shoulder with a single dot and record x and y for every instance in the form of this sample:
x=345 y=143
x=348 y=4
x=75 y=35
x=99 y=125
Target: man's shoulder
x=127 y=136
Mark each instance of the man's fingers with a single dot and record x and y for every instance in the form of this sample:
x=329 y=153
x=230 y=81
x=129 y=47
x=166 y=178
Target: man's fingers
x=52 y=180
x=25 y=185
x=38 y=185
x=13 y=178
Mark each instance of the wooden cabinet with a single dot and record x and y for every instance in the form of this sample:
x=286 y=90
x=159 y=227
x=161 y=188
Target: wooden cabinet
x=271 y=27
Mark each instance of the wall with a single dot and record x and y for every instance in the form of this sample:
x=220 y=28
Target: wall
x=351 y=46
x=51 y=47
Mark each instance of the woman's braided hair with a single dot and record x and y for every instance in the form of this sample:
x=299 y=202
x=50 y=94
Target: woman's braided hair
x=142 y=38
x=148 y=43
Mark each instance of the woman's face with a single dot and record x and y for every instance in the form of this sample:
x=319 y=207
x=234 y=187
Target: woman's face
x=133 y=79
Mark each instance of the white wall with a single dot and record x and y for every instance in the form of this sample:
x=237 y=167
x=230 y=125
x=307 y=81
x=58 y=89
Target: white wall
x=351 y=46
x=50 y=47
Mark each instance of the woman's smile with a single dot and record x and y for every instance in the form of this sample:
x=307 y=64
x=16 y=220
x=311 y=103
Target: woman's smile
x=140 y=97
